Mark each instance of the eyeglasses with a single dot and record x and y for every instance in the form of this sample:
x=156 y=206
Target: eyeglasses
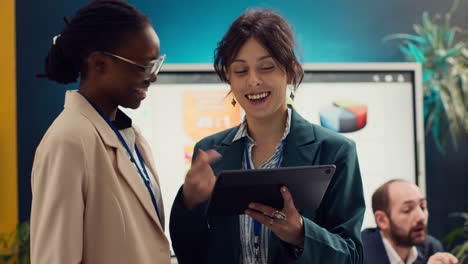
x=153 y=67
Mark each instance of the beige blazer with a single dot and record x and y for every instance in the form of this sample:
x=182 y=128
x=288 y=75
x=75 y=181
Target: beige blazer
x=89 y=203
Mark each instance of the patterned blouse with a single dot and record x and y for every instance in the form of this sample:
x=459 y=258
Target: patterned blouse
x=246 y=222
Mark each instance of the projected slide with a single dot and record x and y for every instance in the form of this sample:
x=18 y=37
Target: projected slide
x=344 y=116
x=205 y=112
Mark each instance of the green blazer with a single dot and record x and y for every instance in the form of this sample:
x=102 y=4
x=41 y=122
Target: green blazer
x=332 y=232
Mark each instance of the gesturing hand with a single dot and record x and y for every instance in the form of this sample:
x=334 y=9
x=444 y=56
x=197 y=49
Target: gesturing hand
x=291 y=229
x=200 y=179
x=442 y=258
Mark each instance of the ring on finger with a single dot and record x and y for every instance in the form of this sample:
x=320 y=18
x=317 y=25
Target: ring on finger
x=278 y=215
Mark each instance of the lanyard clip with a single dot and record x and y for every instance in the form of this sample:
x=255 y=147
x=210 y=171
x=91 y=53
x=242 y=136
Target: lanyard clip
x=257 y=246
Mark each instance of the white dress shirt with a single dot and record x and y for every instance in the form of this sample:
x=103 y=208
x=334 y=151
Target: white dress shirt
x=393 y=256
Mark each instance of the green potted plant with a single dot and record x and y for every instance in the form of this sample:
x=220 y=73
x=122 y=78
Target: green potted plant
x=460 y=235
x=14 y=246
x=445 y=75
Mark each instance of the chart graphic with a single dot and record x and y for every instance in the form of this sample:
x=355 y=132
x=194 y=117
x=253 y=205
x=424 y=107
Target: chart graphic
x=344 y=116
x=206 y=113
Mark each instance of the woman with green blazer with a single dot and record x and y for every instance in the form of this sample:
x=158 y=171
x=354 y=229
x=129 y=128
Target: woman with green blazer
x=256 y=57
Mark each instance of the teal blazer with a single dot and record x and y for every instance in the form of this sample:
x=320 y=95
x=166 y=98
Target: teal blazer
x=332 y=232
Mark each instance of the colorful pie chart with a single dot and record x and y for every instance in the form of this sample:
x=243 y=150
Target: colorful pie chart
x=344 y=116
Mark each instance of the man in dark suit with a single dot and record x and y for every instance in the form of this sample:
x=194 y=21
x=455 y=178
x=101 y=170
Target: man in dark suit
x=400 y=212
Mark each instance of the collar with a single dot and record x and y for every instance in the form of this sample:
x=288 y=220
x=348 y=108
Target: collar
x=74 y=101
x=301 y=145
x=243 y=131
x=122 y=121
x=393 y=256
x=301 y=142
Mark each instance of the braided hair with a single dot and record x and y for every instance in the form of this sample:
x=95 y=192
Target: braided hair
x=102 y=25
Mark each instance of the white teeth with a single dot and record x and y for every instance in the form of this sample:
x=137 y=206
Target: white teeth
x=257 y=96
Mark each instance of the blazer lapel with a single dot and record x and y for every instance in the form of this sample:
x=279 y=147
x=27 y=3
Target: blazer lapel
x=231 y=154
x=76 y=102
x=132 y=177
x=148 y=159
x=379 y=247
x=301 y=147
x=231 y=160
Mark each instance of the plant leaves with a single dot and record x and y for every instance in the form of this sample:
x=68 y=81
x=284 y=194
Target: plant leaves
x=450 y=237
x=421 y=31
x=416 y=52
x=455 y=51
x=463 y=215
x=449 y=36
x=405 y=50
x=460 y=251
x=403 y=36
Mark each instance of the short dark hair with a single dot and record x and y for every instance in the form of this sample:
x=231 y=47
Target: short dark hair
x=381 y=197
x=102 y=25
x=272 y=31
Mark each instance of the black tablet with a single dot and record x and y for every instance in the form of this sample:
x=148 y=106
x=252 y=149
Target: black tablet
x=235 y=189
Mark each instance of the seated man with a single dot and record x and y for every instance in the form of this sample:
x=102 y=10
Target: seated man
x=400 y=212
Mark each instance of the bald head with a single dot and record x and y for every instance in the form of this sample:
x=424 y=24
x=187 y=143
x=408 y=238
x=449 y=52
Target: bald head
x=402 y=193
x=394 y=192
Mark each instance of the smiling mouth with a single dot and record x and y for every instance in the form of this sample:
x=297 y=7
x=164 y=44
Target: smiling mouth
x=258 y=97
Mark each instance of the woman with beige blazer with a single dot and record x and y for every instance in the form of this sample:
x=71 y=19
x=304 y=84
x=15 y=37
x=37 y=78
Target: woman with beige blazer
x=96 y=196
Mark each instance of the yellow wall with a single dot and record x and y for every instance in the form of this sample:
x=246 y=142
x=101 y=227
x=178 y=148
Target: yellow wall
x=8 y=158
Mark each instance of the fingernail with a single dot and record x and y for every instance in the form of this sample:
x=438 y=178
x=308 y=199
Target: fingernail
x=283 y=189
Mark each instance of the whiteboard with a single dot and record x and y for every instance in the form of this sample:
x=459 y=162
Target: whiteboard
x=188 y=102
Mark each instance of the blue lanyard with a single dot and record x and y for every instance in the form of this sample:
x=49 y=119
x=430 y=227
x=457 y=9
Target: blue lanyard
x=258 y=225
x=144 y=174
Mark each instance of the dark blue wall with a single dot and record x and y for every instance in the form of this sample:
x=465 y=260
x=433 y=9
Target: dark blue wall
x=327 y=31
